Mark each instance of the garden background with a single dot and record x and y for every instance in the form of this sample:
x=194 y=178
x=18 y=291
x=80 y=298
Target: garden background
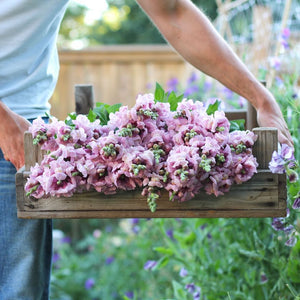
x=120 y=52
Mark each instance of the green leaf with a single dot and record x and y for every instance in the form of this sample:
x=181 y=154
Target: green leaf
x=92 y=116
x=237 y=125
x=72 y=116
x=159 y=94
x=70 y=123
x=174 y=100
x=102 y=114
x=99 y=104
x=113 y=108
x=179 y=291
x=162 y=262
x=251 y=254
x=212 y=108
x=164 y=250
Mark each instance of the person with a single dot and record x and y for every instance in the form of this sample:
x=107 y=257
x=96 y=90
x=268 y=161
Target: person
x=28 y=74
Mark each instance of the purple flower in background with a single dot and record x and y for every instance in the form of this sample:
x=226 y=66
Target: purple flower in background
x=89 y=283
x=242 y=102
x=129 y=295
x=283 y=161
x=296 y=204
x=287 y=152
x=278 y=224
x=202 y=227
x=227 y=93
x=66 y=240
x=291 y=242
x=135 y=228
x=277 y=163
x=286 y=33
x=191 y=90
x=135 y=221
x=289 y=229
x=279 y=82
x=196 y=295
x=192 y=78
x=284 y=38
x=183 y=272
x=193 y=289
x=97 y=233
x=207 y=86
x=149 y=86
x=172 y=84
x=55 y=257
x=190 y=287
x=292 y=175
x=150 y=265
x=275 y=63
x=263 y=278
x=109 y=260
x=170 y=234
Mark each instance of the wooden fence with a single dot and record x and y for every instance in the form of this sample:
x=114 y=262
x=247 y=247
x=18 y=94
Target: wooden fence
x=118 y=73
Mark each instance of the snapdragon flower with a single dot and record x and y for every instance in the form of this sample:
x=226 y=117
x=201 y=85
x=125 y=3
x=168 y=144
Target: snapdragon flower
x=148 y=147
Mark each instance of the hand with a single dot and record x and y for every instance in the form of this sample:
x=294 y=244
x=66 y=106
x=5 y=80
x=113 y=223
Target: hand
x=270 y=115
x=12 y=128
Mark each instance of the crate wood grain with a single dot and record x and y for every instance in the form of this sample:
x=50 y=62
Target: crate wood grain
x=262 y=196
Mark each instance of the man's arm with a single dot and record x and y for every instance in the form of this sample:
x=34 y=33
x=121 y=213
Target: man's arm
x=189 y=31
x=12 y=128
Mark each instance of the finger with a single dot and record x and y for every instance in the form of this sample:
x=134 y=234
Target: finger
x=283 y=139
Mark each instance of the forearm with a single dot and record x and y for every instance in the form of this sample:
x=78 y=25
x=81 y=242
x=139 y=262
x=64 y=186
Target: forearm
x=193 y=36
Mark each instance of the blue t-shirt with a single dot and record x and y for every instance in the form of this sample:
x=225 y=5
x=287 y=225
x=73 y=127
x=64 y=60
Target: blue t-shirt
x=28 y=55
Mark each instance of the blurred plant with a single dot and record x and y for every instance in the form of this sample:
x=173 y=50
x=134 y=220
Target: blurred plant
x=200 y=87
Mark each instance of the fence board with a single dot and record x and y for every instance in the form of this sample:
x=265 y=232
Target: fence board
x=118 y=73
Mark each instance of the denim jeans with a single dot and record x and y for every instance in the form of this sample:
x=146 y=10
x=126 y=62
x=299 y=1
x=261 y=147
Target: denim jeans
x=25 y=246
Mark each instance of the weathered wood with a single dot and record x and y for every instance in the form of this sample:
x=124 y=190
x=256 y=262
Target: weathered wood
x=84 y=98
x=251 y=120
x=267 y=143
x=236 y=114
x=31 y=155
x=147 y=214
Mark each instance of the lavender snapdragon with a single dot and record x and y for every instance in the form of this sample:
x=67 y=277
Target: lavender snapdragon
x=148 y=146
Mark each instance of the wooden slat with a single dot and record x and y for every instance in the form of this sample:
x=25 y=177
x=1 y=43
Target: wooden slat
x=31 y=155
x=236 y=115
x=84 y=98
x=147 y=214
x=266 y=144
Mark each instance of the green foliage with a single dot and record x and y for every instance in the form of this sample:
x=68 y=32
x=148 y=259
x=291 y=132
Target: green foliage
x=123 y=23
x=161 y=96
x=236 y=257
x=73 y=26
x=212 y=108
x=237 y=125
x=102 y=111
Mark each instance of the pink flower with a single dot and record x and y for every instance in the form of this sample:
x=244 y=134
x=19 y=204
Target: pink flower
x=244 y=167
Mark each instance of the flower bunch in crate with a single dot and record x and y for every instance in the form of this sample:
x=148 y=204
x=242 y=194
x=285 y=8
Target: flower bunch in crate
x=164 y=142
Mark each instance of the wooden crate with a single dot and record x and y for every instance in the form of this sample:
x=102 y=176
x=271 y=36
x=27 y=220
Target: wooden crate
x=262 y=196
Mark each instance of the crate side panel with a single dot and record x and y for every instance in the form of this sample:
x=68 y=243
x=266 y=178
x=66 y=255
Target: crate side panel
x=116 y=214
x=259 y=193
